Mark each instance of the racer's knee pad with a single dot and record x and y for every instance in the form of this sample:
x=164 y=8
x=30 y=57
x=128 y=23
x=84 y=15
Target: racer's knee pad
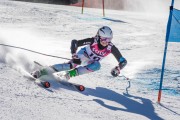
x=94 y=66
x=89 y=68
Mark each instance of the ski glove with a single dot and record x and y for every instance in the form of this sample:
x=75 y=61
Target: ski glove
x=116 y=71
x=75 y=59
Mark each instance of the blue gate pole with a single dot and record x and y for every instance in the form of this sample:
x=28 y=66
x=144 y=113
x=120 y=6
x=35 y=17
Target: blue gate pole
x=165 y=50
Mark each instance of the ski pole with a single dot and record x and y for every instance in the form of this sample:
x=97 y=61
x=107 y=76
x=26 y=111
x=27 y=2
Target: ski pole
x=126 y=78
x=33 y=51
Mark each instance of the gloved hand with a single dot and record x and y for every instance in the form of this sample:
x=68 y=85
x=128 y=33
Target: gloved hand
x=115 y=71
x=75 y=59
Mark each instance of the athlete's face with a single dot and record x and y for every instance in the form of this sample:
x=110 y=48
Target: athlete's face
x=104 y=41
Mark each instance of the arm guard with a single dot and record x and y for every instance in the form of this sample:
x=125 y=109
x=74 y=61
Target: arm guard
x=122 y=62
x=74 y=46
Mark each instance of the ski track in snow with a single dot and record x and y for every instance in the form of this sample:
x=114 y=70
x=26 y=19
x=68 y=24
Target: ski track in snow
x=49 y=29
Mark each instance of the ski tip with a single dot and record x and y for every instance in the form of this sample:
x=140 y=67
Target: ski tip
x=81 y=88
x=46 y=84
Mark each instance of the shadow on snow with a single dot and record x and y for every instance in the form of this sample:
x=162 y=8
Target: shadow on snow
x=113 y=20
x=144 y=108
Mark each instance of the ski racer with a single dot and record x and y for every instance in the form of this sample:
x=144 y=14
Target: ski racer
x=88 y=58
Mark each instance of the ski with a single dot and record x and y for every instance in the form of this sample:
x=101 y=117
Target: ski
x=78 y=87
x=42 y=83
x=45 y=84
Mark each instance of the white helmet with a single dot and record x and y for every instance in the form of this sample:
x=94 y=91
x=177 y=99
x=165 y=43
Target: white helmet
x=105 y=33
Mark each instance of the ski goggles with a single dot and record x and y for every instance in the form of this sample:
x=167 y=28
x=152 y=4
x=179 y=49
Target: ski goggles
x=103 y=39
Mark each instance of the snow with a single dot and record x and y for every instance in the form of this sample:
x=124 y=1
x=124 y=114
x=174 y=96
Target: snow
x=50 y=28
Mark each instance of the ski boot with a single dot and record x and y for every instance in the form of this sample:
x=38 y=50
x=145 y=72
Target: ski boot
x=43 y=71
x=68 y=74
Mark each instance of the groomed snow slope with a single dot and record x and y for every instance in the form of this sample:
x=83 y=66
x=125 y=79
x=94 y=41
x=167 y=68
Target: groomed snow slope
x=49 y=29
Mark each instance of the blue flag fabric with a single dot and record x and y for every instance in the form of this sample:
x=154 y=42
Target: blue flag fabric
x=174 y=35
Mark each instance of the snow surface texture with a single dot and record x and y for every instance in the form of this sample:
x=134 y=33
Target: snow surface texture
x=49 y=29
